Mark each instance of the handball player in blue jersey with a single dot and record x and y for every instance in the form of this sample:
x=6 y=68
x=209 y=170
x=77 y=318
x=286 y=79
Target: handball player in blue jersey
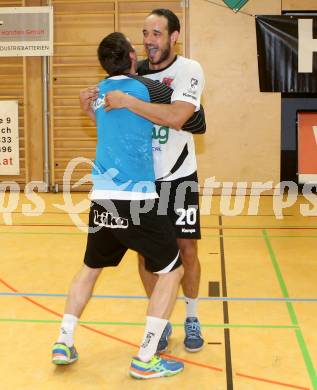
x=123 y=180
x=173 y=153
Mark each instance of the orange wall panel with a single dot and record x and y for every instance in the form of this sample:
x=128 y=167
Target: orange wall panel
x=307 y=143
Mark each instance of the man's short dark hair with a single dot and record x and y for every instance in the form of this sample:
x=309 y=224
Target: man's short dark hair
x=173 y=23
x=114 y=54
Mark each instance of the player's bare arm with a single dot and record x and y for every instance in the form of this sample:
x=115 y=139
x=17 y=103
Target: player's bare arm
x=173 y=115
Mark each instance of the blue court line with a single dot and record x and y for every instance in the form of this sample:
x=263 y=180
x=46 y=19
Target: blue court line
x=142 y=297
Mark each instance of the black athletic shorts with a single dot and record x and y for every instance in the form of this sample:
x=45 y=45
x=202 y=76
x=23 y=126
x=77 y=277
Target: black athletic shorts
x=113 y=229
x=179 y=199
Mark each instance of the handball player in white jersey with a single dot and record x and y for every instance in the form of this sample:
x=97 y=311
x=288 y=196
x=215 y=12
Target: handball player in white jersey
x=174 y=154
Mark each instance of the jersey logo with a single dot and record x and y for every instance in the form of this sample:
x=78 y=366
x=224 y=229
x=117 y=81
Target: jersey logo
x=193 y=83
x=161 y=133
x=190 y=95
x=193 y=86
x=100 y=102
x=167 y=81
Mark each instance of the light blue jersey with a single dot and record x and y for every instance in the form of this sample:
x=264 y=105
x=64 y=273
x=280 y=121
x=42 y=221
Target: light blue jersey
x=124 y=163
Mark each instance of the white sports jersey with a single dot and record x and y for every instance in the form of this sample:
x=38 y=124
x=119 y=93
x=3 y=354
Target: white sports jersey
x=174 y=150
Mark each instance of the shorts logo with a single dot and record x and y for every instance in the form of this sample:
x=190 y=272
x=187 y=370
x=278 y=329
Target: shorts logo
x=107 y=219
x=188 y=230
x=186 y=217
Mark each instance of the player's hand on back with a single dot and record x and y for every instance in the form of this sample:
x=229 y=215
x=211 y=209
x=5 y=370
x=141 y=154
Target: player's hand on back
x=116 y=99
x=87 y=96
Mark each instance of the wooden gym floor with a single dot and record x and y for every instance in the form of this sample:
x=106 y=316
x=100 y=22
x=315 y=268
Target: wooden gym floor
x=260 y=332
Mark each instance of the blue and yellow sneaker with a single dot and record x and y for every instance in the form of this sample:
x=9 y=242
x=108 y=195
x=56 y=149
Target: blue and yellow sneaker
x=193 y=341
x=62 y=354
x=163 y=343
x=155 y=368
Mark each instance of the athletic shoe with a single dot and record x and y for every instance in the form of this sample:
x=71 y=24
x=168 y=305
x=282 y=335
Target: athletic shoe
x=62 y=354
x=193 y=341
x=163 y=343
x=155 y=368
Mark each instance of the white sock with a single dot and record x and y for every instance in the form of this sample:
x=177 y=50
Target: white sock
x=153 y=331
x=68 y=326
x=191 y=307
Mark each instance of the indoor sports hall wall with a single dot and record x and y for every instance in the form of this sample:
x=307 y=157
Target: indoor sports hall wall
x=21 y=79
x=242 y=142
x=79 y=26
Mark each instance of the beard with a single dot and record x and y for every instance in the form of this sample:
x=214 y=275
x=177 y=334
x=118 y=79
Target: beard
x=164 y=55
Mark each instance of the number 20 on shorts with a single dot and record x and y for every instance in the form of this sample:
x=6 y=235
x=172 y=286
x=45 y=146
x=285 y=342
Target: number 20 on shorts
x=188 y=216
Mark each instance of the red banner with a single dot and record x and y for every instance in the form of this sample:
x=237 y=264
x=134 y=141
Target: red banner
x=307 y=147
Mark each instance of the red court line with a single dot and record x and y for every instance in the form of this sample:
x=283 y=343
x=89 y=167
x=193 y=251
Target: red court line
x=272 y=382
x=31 y=300
x=137 y=346
x=106 y=334
x=134 y=345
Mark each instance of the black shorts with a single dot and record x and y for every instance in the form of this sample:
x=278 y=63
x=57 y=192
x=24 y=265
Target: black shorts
x=113 y=230
x=179 y=199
